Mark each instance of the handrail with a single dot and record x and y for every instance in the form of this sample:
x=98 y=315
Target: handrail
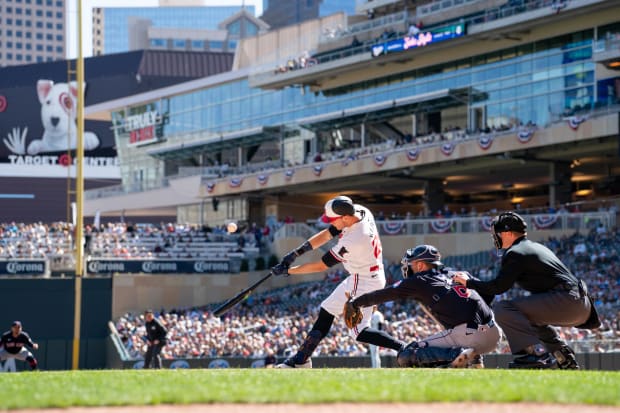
x=118 y=343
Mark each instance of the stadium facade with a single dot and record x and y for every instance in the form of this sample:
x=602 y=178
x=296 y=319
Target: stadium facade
x=479 y=104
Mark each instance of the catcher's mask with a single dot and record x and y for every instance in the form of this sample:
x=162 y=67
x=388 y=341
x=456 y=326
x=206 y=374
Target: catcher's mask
x=505 y=222
x=424 y=252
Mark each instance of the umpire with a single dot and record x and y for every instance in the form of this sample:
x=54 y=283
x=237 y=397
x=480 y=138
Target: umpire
x=557 y=298
x=155 y=340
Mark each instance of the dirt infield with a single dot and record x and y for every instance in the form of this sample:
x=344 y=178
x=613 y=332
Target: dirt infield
x=342 y=408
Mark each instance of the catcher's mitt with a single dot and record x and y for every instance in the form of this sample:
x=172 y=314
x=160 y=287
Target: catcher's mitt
x=352 y=314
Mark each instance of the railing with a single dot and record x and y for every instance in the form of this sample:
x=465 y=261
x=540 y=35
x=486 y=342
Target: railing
x=118 y=343
x=389 y=20
x=574 y=221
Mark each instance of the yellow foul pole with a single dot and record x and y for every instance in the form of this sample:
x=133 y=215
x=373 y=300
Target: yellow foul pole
x=79 y=195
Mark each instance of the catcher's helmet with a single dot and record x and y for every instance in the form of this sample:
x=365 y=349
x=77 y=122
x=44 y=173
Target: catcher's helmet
x=337 y=207
x=505 y=222
x=426 y=253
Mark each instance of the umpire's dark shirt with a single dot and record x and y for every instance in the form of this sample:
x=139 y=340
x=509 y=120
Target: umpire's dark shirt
x=155 y=330
x=451 y=304
x=530 y=264
x=14 y=345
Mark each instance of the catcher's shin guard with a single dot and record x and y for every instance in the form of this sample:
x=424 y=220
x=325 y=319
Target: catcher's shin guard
x=428 y=356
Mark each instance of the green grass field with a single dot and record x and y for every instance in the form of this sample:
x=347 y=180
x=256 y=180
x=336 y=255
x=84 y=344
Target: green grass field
x=138 y=387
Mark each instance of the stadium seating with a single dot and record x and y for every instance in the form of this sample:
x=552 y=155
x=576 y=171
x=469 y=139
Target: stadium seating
x=278 y=319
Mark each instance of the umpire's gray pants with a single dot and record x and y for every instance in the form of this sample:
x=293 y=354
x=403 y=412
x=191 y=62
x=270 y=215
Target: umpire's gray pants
x=483 y=339
x=529 y=320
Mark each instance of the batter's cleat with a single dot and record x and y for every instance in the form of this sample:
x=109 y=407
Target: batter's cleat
x=534 y=362
x=463 y=359
x=289 y=363
x=566 y=358
x=477 y=362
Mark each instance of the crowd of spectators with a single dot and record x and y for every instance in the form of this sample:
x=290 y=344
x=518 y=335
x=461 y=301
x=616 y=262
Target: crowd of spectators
x=127 y=240
x=35 y=240
x=276 y=321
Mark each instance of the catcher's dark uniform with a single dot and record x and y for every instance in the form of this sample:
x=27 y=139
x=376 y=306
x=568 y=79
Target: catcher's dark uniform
x=155 y=331
x=464 y=314
x=556 y=296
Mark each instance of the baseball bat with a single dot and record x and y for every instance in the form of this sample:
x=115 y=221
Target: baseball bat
x=239 y=297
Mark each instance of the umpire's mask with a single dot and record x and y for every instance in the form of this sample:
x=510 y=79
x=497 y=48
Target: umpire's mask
x=504 y=222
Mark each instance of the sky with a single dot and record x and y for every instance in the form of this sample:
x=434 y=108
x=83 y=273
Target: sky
x=87 y=5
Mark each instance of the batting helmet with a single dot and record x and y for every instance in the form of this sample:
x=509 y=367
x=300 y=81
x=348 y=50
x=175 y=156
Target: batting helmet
x=507 y=222
x=337 y=207
x=426 y=253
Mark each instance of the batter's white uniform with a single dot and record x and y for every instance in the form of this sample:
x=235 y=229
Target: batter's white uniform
x=360 y=252
x=376 y=321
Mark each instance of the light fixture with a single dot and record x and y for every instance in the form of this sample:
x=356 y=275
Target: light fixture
x=583 y=192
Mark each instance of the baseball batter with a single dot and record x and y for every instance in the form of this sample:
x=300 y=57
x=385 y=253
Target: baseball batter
x=359 y=250
x=468 y=321
x=14 y=344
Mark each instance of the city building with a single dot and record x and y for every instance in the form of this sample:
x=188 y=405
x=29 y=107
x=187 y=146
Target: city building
x=238 y=26
x=427 y=109
x=280 y=13
x=32 y=31
x=121 y=29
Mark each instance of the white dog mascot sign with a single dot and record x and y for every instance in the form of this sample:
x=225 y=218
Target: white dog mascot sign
x=58 y=115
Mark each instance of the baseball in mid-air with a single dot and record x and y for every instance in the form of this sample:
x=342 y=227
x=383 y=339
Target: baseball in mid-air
x=231 y=227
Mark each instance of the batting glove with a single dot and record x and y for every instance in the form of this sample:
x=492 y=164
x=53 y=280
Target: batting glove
x=280 y=269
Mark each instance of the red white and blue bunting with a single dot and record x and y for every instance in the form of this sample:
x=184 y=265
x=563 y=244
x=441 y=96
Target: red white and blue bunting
x=317 y=170
x=486 y=223
x=210 y=187
x=525 y=134
x=442 y=225
x=485 y=141
x=545 y=221
x=447 y=148
x=392 y=227
x=380 y=160
x=412 y=154
x=288 y=174
x=262 y=179
x=575 y=121
x=235 y=182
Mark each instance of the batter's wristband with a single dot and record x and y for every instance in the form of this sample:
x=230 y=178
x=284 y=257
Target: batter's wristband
x=334 y=231
x=303 y=248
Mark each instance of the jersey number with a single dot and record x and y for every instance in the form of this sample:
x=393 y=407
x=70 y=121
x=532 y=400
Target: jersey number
x=376 y=246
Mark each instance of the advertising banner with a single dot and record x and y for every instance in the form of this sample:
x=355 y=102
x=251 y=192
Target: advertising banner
x=38 y=133
x=23 y=267
x=133 y=266
x=424 y=38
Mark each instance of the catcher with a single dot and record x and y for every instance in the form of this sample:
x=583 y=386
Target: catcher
x=470 y=330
